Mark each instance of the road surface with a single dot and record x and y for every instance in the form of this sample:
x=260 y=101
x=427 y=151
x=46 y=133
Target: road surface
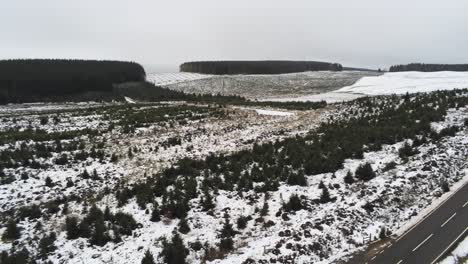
x=429 y=240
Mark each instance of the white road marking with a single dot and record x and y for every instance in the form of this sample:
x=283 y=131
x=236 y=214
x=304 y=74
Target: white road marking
x=372 y=258
x=389 y=245
x=465 y=203
x=450 y=218
x=451 y=244
x=424 y=241
x=430 y=213
x=381 y=252
x=399 y=261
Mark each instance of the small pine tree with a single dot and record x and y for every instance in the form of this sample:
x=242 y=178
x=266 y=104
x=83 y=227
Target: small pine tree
x=264 y=210
x=349 y=179
x=130 y=153
x=365 y=172
x=226 y=234
x=99 y=236
x=12 y=232
x=71 y=226
x=174 y=252
x=242 y=222
x=85 y=174
x=48 y=182
x=207 y=201
x=156 y=213
x=297 y=179
x=148 y=258
x=183 y=226
x=47 y=245
x=95 y=175
x=70 y=183
x=107 y=214
x=294 y=203
x=325 y=196
x=321 y=185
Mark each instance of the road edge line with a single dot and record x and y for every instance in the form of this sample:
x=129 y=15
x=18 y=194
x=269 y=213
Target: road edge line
x=451 y=244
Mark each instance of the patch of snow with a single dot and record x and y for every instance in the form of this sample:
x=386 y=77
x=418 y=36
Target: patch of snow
x=460 y=251
x=273 y=112
x=129 y=100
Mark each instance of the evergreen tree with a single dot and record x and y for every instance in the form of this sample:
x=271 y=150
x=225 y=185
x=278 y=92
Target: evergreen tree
x=85 y=174
x=325 y=196
x=294 y=203
x=46 y=245
x=321 y=185
x=130 y=153
x=95 y=175
x=12 y=232
x=365 y=172
x=71 y=226
x=183 y=226
x=174 y=252
x=99 y=236
x=156 y=213
x=297 y=179
x=264 y=210
x=207 y=201
x=148 y=258
x=226 y=234
x=349 y=179
x=242 y=222
x=48 y=182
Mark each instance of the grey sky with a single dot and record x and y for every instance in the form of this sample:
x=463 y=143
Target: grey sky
x=163 y=34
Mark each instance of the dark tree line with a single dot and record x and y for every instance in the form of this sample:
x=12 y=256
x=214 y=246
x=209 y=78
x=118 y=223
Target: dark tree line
x=429 y=67
x=257 y=67
x=33 y=79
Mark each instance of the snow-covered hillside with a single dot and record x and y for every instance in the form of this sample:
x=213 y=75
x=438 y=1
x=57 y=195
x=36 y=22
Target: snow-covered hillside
x=412 y=82
x=259 y=86
x=162 y=79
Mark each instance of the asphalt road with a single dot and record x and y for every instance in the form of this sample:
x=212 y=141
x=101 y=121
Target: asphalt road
x=429 y=240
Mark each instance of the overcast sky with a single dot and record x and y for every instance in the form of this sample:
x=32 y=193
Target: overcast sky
x=162 y=34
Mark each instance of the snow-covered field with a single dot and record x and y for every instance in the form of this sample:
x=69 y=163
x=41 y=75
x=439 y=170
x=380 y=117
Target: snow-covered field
x=390 y=83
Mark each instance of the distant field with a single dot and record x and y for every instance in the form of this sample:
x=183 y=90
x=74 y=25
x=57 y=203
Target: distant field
x=259 y=86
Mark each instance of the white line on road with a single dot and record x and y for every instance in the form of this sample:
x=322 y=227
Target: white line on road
x=420 y=244
x=372 y=258
x=451 y=244
x=465 y=203
x=450 y=218
x=431 y=212
x=399 y=261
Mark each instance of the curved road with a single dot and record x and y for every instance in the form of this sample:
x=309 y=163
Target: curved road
x=429 y=240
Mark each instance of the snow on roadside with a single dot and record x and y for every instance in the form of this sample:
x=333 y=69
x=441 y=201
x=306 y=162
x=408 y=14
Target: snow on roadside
x=460 y=251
